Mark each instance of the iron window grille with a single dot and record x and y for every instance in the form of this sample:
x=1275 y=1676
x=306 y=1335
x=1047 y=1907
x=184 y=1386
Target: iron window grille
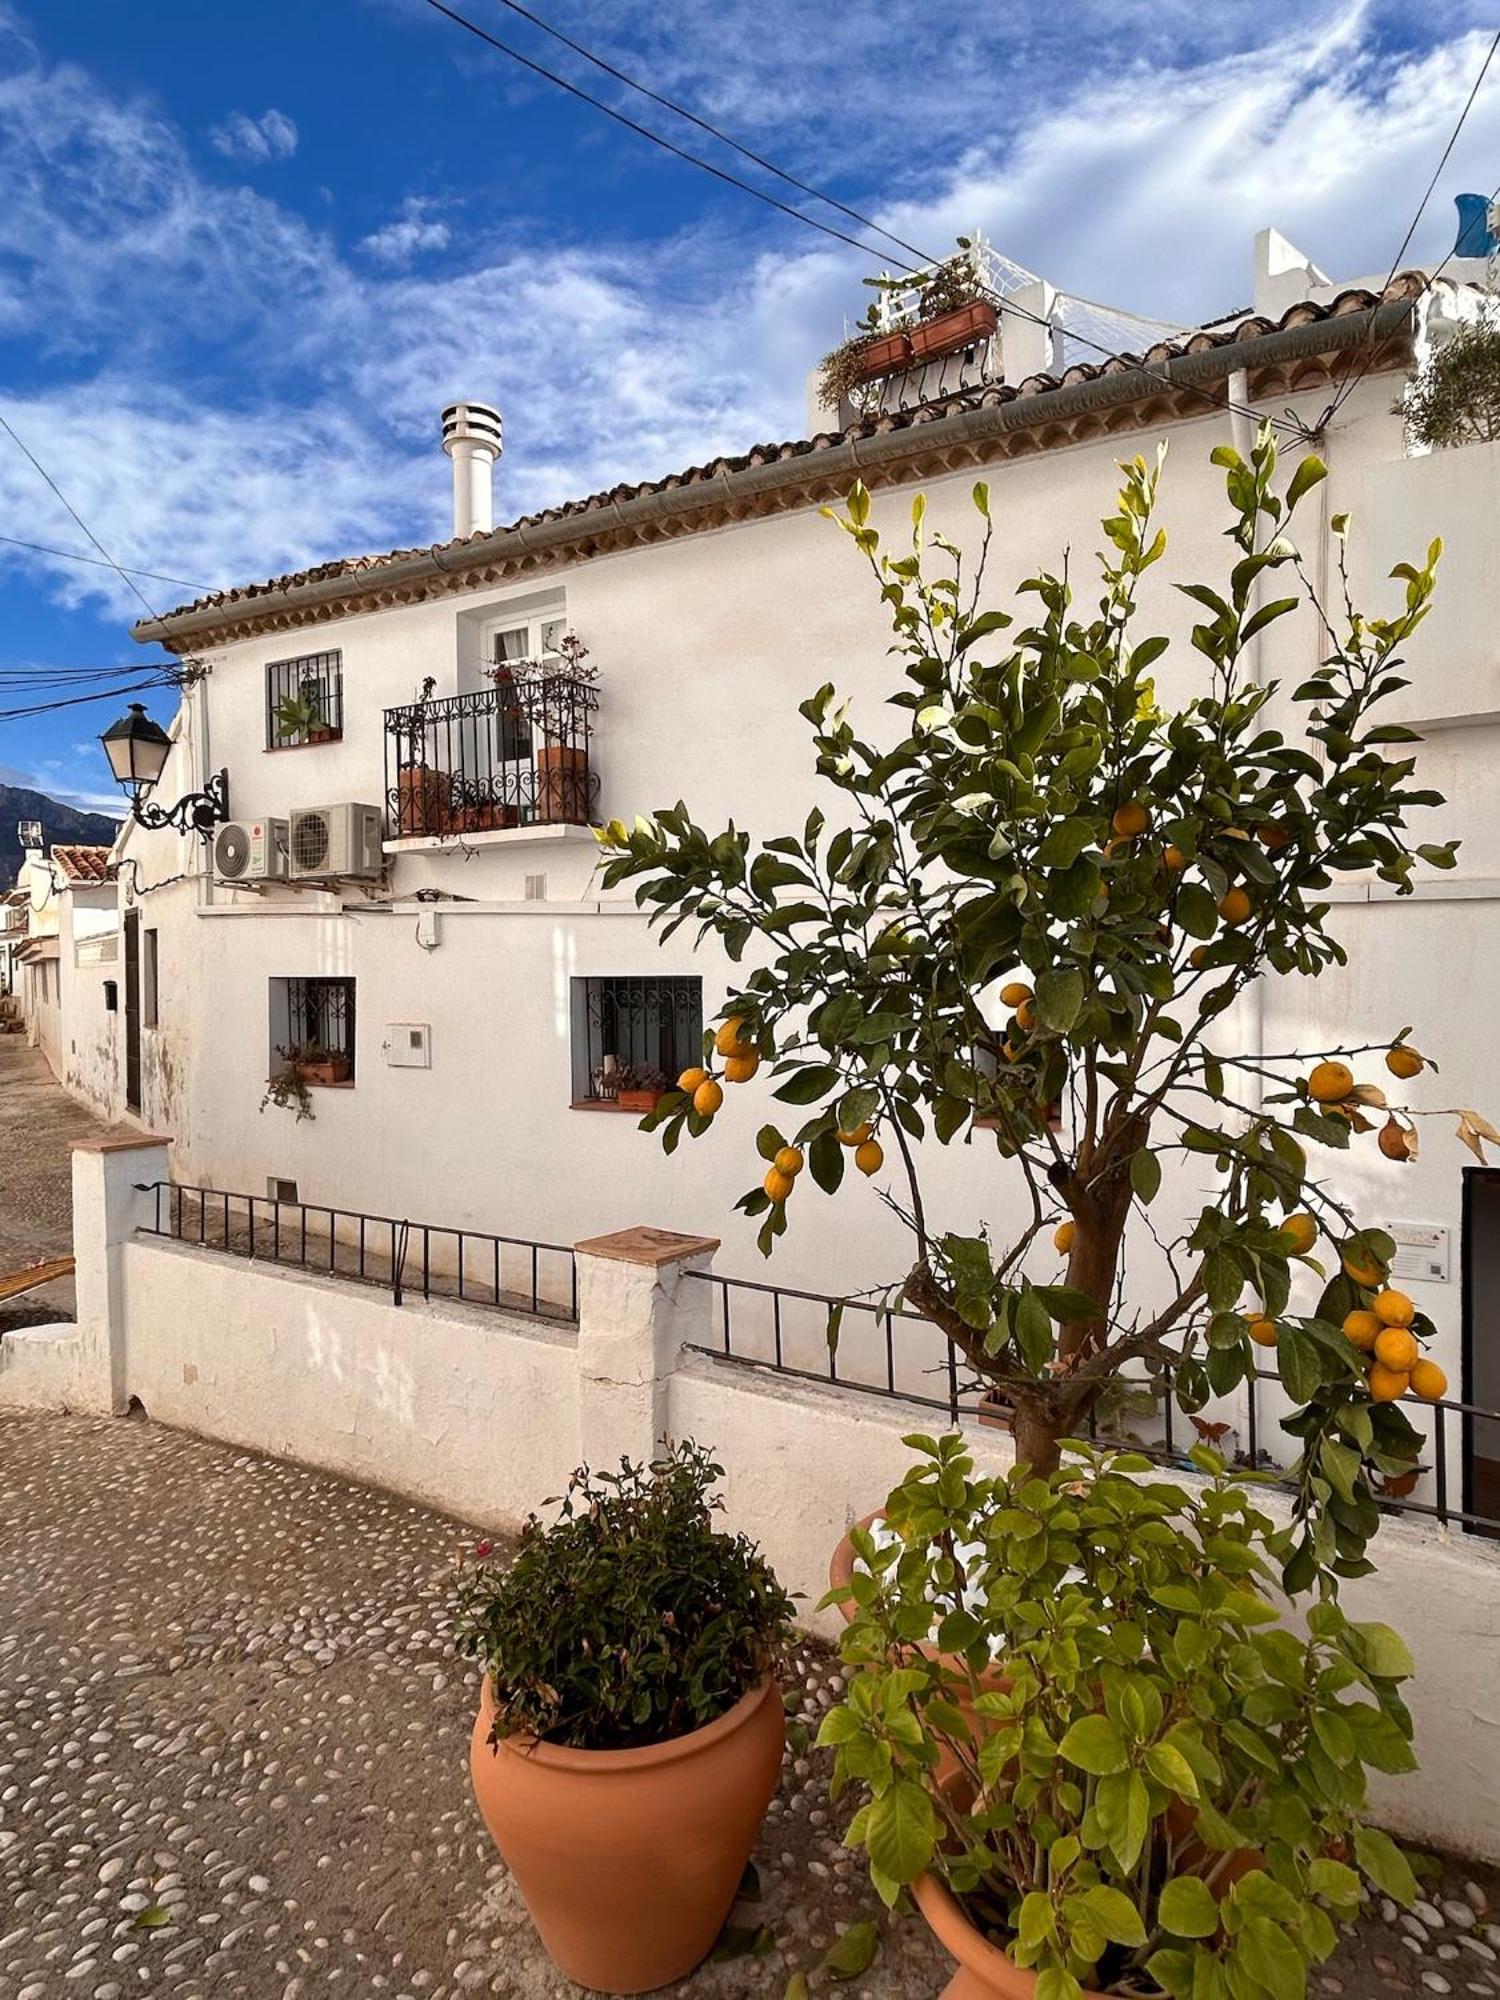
x=304 y=700
x=633 y=1034
x=320 y=1027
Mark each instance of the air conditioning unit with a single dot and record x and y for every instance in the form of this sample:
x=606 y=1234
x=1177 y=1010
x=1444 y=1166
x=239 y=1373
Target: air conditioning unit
x=251 y=851
x=331 y=841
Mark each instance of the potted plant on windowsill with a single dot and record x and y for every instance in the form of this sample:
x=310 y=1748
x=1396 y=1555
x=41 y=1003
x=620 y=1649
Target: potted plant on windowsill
x=630 y=1727
x=300 y=717
x=639 y=1086
x=317 y=1065
x=1164 y=1796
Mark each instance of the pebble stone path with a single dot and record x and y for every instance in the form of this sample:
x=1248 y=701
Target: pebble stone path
x=232 y=1759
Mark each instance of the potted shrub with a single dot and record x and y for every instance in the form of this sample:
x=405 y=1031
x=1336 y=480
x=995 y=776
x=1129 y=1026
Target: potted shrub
x=1165 y=1796
x=300 y=716
x=639 y=1086
x=630 y=1727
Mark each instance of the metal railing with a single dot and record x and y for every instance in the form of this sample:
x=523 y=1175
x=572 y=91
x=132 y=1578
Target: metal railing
x=780 y=1329
x=433 y=1260
x=516 y=754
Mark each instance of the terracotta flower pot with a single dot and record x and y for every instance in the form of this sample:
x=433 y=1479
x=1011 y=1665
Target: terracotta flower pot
x=884 y=356
x=562 y=783
x=629 y=1860
x=953 y=330
x=336 y=1069
x=423 y=805
x=638 y=1100
x=985 y=1971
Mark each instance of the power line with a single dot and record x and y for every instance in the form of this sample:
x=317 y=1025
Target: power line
x=101 y=562
x=79 y=700
x=1005 y=305
x=41 y=469
x=1352 y=381
x=714 y=132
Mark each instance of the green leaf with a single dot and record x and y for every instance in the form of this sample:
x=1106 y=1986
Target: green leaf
x=768 y=1142
x=1309 y=473
x=1123 y=1805
x=1188 y=1908
x=1386 y=1866
x=744 y=1941
x=1170 y=1768
x=1066 y=840
x=797 y=1988
x=853 y=1952
x=153 y=1918
x=1055 y=1983
x=1114 y=1914
x=901 y=1833
x=1382 y=1652
x=806 y=1086
x=1145 y=1175
x=1270 y=1957
x=1059 y=999
x=1095 y=1746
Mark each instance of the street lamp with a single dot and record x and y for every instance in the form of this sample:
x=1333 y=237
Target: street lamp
x=137 y=749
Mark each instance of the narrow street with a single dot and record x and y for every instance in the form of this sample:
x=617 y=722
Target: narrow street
x=39 y=1123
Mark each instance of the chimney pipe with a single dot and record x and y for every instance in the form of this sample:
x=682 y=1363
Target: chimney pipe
x=473 y=438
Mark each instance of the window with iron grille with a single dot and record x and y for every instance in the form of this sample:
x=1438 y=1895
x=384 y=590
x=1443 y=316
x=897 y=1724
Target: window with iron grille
x=633 y=1035
x=304 y=700
x=312 y=1027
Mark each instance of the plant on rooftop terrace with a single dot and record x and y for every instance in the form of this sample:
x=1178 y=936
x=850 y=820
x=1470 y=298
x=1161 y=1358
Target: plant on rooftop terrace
x=953 y=282
x=1456 y=398
x=1163 y=1792
x=1050 y=890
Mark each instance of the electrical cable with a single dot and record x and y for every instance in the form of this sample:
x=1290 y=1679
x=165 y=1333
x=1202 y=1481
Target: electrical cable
x=1001 y=302
x=101 y=562
x=42 y=471
x=1352 y=381
x=80 y=700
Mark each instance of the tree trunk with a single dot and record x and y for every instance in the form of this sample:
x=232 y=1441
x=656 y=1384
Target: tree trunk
x=1037 y=1431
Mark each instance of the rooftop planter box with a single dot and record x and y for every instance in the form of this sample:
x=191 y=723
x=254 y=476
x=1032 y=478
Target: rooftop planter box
x=887 y=354
x=950 y=331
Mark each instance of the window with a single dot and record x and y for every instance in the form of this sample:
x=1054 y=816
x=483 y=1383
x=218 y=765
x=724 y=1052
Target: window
x=111 y=996
x=312 y=1028
x=633 y=1036
x=148 y=979
x=527 y=639
x=304 y=701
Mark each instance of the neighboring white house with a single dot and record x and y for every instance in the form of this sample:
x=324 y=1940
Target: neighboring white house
x=70 y=905
x=463 y=977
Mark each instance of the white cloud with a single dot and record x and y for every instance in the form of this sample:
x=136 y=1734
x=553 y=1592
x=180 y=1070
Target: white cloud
x=272 y=136
x=414 y=229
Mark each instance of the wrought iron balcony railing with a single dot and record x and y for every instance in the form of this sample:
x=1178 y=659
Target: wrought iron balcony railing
x=516 y=754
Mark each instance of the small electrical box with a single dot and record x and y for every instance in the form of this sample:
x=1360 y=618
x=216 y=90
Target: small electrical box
x=408 y=1045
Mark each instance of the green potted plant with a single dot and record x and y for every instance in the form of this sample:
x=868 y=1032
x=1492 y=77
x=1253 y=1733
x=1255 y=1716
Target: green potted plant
x=300 y=717
x=312 y=1063
x=287 y=1090
x=1164 y=1796
x=630 y=1727
x=640 y=1086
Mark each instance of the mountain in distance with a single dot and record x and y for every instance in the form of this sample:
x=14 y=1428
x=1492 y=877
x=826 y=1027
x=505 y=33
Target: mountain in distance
x=59 y=823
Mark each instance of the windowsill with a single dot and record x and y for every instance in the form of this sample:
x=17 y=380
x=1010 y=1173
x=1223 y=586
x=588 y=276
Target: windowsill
x=502 y=836
x=318 y=743
x=313 y=1083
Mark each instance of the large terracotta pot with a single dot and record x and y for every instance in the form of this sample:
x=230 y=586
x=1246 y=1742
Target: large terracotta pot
x=562 y=784
x=629 y=1860
x=985 y=1972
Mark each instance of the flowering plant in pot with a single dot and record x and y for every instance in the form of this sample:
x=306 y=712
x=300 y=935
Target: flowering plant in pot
x=639 y=1086
x=630 y=1728
x=1165 y=1795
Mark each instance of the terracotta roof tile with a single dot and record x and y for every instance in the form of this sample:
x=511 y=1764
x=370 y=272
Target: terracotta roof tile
x=1253 y=326
x=84 y=864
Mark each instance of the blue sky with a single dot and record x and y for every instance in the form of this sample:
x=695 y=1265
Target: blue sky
x=246 y=254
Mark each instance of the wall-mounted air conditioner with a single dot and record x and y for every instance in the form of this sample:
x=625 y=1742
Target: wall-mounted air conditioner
x=252 y=850
x=332 y=841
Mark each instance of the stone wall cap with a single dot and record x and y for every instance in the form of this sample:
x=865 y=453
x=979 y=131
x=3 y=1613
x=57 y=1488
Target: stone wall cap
x=132 y=1145
x=642 y=1245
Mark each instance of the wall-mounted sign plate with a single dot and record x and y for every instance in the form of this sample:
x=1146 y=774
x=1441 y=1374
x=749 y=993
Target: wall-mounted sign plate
x=1421 y=1251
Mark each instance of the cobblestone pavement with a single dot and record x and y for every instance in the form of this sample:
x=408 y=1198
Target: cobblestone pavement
x=233 y=1759
x=38 y=1125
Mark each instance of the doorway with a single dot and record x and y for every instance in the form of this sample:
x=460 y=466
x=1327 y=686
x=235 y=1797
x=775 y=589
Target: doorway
x=1481 y=1340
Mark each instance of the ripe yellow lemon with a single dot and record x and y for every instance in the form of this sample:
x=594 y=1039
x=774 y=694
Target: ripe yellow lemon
x=1262 y=1331
x=789 y=1161
x=1173 y=859
x=691 y=1078
x=1330 y=1082
x=1394 y=1309
x=1015 y=993
x=870 y=1157
x=1130 y=820
x=1234 y=906
x=1301 y=1233
x=857 y=1137
x=707 y=1098
x=1397 y=1349
x=777 y=1184
x=1362 y=1266
x=730 y=1038
x=1404 y=1062
x=1064 y=1237
x=740 y=1068
x=1428 y=1381
x=1363 y=1329
x=1386 y=1384
x=1026 y=1016
x=1197 y=956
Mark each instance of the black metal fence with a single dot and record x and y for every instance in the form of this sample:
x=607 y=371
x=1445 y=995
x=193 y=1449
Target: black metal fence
x=403 y=1257
x=516 y=754
x=855 y=1343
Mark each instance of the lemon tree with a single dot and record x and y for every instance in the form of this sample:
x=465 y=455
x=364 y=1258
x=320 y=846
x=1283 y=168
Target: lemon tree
x=1019 y=927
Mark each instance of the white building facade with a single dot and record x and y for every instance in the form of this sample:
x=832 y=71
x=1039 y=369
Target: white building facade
x=464 y=998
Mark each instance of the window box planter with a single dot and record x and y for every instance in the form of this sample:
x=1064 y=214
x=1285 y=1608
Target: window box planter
x=952 y=330
x=638 y=1100
x=885 y=355
x=331 y=1069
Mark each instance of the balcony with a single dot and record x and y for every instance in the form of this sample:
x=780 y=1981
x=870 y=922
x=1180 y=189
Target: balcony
x=512 y=757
